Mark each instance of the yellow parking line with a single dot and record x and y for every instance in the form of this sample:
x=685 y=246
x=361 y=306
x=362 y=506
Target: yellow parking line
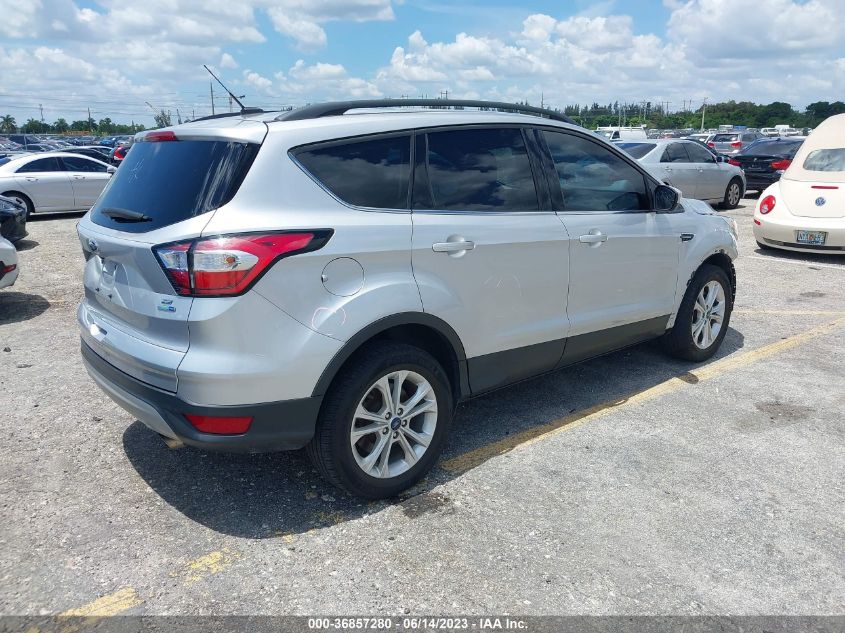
x=207 y=565
x=471 y=459
x=111 y=604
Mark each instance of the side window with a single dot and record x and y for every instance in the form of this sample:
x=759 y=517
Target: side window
x=371 y=173
x=675 y=153
x=75 y=163
x=41 y=165
x=698 y=154
x=480 y=170
x=593 y=178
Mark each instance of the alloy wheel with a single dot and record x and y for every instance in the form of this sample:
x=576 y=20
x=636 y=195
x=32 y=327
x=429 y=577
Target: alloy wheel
x=393 y=424
x=708 y=313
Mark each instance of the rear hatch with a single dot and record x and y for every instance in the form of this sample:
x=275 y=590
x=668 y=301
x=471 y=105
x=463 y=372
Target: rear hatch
x=165 y=190
x=814 y=185
x=756 y=163
x=726 y=143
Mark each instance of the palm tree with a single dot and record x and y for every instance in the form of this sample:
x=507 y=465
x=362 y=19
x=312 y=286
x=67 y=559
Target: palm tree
x=8 y=123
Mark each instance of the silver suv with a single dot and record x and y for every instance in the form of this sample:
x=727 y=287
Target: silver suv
x=340 y=276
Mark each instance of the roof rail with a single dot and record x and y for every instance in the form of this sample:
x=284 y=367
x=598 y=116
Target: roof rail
x=226 y=114
x=337 y=108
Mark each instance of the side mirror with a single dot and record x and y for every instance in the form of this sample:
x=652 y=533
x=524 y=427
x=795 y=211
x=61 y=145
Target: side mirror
x=666 y=198
x=111 y=169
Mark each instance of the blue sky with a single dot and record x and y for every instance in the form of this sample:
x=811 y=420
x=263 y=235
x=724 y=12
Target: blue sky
x=115 y=55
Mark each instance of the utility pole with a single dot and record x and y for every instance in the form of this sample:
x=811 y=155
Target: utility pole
x=211 y=88
x=703 y=110
x=89 y=120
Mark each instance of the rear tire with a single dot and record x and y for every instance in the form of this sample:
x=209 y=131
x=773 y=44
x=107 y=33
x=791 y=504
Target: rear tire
x=703 y=317
x=733 y=194
x=24 y=200
x=398 y=451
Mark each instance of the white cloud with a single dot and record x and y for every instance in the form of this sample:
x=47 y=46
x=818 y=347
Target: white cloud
x=227 y=61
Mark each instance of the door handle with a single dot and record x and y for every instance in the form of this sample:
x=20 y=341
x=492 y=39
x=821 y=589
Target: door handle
x=453 y=247
x=593 y=237
x=79 y=177
x=31 y=179
x=667 y=169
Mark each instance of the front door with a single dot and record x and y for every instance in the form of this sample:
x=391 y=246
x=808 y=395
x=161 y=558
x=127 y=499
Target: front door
x=487 y=257
x=623 y=257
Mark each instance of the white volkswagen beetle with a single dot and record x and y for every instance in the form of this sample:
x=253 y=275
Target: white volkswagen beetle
x=805 y=210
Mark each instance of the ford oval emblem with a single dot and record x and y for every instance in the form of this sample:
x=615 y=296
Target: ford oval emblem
x=820 y=202
x=92 y=244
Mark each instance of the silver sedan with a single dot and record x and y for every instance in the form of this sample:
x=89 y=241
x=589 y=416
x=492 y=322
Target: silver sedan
x=692 y=168
x=53 y=181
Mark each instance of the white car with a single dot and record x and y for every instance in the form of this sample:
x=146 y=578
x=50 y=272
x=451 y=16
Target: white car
x=8 y=263
x=805 y=210
x=54 y=181
x=692 y=168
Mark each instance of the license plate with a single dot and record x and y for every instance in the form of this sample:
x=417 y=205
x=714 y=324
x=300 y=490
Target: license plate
x=811 y=237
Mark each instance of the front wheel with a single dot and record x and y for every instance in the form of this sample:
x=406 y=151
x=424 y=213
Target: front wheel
x=383 y=422
x=703 y=316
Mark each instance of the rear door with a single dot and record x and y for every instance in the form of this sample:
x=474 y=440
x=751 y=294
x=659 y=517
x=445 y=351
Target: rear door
x=46 y=183
x=88 y=178
x=711 y=177
x=679 y=169
x=623 y=257
x=131 y=315
x=489 y=254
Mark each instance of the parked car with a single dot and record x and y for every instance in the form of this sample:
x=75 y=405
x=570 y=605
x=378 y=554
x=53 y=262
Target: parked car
x=118 y=153
x=614 y=133
x=54 y=181
x=25 y=140
x=97 y=152
x=732 y=142
x=12 y=219
x=692 y=168
x=333 y=317
x=765 y=160
x=8 y=263
x=805 y=210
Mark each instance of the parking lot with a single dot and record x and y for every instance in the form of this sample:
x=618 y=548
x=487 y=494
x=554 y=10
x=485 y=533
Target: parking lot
x=631 y=484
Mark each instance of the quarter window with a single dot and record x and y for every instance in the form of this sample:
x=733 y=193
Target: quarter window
x=593 y=178
x=41 y=165
x=371 y=173
x=480 y=170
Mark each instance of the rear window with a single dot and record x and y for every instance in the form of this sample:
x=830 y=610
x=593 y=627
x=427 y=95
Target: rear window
x=172 y=181
x=373 y=173
x=725 y=138
x=772 y=148
x=637 y=150
x=825 y=160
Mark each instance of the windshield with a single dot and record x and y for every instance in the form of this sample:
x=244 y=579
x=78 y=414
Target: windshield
x=168 y=182
x=724 y=138
x=637 y=150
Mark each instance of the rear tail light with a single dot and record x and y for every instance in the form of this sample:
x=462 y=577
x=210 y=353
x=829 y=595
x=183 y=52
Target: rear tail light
x=781 y=164
x=711 y=144
x=736 y=144
x=228 y=265
x=767 y=204
x=734 y=162
x=220 y=425
x=7 y=269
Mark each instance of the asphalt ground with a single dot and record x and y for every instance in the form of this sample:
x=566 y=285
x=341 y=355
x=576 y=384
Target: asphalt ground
x=631 y=484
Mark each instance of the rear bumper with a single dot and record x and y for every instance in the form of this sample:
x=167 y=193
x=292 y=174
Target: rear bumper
x=780 y=232
x=759 y=181
x=276 y=426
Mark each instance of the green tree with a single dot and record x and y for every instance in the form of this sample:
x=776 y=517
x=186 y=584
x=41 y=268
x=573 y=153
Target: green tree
x=105 y=126
x=163 y=119
x=61 y=126
x=8 y=123
x=32 y=126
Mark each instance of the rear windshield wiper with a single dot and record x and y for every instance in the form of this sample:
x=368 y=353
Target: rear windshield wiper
x=125 y=215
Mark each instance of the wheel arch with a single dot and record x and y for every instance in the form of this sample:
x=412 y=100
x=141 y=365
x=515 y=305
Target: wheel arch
x=420 y=329
x=8 y=193
x=721 y=260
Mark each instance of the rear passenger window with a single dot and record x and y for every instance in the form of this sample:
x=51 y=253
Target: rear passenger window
x=593 y=178
x=480 y=170
x=372 y=173
x=42 y=164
